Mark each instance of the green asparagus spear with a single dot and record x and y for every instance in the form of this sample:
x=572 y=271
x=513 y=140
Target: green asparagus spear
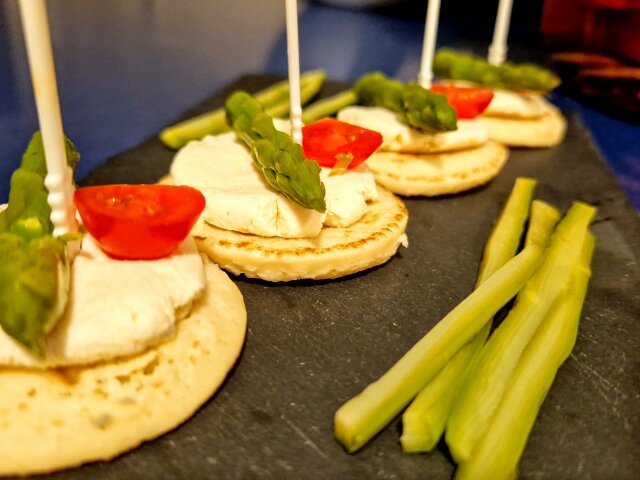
x=424 y=420
x=280 y=159
x=498 y=453
x=282 y=107
x=484 y=385
x=414 y=105
x=328 y=106
x=27 y=213
x=32 y=294
x=449 y=64
x=34 y=273
x=505 y=237
x=424 y=423
x=544 y=218
x=362 y=417
x=275 y=99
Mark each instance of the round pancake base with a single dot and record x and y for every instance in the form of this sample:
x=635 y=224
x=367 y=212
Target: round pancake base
x=54 y=419
x=438 y=173
x=336 y=252
x=545 y=131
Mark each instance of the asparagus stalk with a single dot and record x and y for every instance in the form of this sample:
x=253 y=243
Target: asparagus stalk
x=424 y=420
x=282 y=107
x=498 y=453
x=452 y=65
x=414 y=105
x=329 y=106
x=34 y=280
x=280 y=159
x=275 y=98
x=505 y=237
x=544 y=218
x=484 y=386
x=35 y=269
x=362 y=417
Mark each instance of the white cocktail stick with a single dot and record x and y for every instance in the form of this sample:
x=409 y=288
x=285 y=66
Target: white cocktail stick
x=293 y=60
x=498 y=48
x=429 y=43
x=43 y=76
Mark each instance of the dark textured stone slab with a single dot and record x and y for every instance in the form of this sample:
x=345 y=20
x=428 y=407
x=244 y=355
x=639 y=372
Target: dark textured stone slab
x=313 y=345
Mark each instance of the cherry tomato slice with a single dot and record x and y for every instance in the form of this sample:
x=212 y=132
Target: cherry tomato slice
x=139 y=222
x=328 y=140
x=468 y=102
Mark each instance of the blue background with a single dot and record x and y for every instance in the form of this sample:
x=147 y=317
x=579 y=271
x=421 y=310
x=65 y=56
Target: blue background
x=126 y=69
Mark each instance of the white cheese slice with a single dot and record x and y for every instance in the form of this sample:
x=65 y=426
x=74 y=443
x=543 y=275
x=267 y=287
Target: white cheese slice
x=516 y=105
x=239 y=199
x=398 y=137
x=116 y=307
x=347 y=195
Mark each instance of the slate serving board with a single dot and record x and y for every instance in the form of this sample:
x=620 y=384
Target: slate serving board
x=312 y=345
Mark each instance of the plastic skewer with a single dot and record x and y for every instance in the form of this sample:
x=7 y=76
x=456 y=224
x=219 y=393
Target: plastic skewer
x=43 y=76
x=293 y=60
x=429 y=43
x=498 y=48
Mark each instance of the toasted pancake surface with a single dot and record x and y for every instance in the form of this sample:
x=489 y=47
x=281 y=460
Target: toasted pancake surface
x=438 y=173
x=61 y=418
x=545 y=131
x=336 y=252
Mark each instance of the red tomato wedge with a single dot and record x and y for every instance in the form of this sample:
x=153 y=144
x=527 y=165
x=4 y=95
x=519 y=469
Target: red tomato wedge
x=328 y=141
x=468 y=102
x=139 y=222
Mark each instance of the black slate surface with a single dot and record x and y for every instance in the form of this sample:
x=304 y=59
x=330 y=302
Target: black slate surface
x=312 y=345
